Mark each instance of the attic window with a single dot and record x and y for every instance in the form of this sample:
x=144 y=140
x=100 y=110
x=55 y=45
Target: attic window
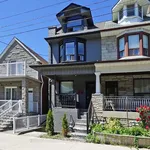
x=121 y=14
x=74 y=25
x=130 y=10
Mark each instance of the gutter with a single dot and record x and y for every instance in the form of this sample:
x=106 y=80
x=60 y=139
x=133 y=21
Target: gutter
x=42 y=92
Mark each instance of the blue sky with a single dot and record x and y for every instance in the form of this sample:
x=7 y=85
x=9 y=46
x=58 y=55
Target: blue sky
x=35 y=39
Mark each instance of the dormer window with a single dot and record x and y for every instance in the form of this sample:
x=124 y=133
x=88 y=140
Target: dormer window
x=130 y=10
x=74 y=25
x=121 y=14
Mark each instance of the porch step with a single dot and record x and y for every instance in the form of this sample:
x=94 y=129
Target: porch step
x=80 y=129
x=78 y=136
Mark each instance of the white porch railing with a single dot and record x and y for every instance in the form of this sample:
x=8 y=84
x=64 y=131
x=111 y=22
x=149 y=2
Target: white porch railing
x=21 y=124
x=12 y=69
x=124 y=103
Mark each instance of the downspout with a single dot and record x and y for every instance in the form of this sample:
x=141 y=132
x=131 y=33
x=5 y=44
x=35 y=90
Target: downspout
x=42 y=94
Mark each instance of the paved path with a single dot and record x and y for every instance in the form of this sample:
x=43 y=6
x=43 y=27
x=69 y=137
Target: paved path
x=14 y=142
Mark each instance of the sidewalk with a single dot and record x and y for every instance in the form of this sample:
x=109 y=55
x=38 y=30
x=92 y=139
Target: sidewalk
x=29 y=142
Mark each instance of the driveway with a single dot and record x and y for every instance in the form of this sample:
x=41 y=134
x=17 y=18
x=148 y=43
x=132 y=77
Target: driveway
x=24 y=142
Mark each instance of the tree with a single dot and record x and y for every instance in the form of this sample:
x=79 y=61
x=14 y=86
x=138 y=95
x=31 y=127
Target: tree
x=50 y=123
x=65 y=126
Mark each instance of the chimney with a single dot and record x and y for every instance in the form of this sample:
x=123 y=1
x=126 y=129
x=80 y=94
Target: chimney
x=52 y=31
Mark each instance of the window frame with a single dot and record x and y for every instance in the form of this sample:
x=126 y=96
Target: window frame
x=141 y=49
x=139 y=94
x=130 y=8
x=76 y=41
x=11 y=89
x=119 y=46
x=60 y=92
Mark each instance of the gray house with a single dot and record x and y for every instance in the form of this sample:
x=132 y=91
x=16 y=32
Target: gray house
x=20 y=82
x=110 y=59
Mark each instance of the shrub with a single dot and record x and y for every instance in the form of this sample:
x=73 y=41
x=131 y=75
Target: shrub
x=97 y=128
x=144 y=112
x=50 y=123
x=65 y=126
x=92 y=139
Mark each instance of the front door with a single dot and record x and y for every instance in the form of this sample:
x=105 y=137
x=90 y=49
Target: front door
x=30 y=100
x=111 y=88
x=90 y=89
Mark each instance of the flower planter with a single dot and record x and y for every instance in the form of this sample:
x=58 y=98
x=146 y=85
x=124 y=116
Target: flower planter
x=126 y=140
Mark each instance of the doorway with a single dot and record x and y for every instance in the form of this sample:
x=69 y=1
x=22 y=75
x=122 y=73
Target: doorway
x=111 y=88
x=30 y=100
x=90 y=89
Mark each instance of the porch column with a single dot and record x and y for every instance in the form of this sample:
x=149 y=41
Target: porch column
x=98 y=86
x=24 y=96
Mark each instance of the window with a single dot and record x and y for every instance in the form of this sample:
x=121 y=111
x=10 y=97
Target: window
x=145 y=45
x=121 y=47
x=74 y=25
x=142 y=87
x=134 y=45
x=81 y=51
x=61 y=52
x=140 y=10
x=66 y=87
x=121 y=14
x=11 y=93
x=70 y=51
x=130 y=10
x=134 y=48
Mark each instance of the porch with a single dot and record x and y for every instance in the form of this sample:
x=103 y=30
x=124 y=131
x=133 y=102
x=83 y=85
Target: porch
x=24 y=90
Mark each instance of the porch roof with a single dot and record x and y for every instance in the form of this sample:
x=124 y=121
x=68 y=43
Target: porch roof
x=123 y=66
x=66 y=68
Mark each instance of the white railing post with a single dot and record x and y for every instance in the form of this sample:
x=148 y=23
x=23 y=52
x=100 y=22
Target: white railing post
x=20 y=106
x=14 y=125
x=28 y=122
x=39 y=120
x=24 y=68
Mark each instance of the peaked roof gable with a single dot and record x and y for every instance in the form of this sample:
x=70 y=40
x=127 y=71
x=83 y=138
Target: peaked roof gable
x=29 y=50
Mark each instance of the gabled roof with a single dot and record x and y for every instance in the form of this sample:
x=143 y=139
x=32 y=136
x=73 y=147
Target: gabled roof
x=29 y=50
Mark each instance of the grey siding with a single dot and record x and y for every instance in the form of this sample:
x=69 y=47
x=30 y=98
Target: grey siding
x=17 y=53
x=109 y=48
x=79 y=87
x=93 y=50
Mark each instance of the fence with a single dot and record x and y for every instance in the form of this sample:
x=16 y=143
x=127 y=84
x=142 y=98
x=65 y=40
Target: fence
x=28 y=122
x=12 y=69
x=122 y=103
x=66 y=100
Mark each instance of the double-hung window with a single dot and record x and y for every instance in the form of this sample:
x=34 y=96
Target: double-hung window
x=134 y=45
x=11 y=93
x=130 y=10
x=145 y=45
x=70 y=51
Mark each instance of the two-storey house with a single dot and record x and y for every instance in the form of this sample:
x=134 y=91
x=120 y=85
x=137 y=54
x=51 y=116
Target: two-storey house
x=19 y=82
x=108 y=58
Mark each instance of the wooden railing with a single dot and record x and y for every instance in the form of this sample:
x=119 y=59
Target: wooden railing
x=124 y=103
x=66 y=100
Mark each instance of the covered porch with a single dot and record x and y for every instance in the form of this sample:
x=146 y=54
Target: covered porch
x=125 y=84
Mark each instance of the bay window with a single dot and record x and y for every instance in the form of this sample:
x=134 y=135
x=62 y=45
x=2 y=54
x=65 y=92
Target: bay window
x=66 y=87
x=72 y=50
x=121 y=47
x=142 y=87
x=134 y=45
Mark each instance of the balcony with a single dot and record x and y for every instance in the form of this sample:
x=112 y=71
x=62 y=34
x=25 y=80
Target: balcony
x=12 y=69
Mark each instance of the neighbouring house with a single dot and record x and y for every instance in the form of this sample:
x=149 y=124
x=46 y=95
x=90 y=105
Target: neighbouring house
x=108 y=59
x=19 y=82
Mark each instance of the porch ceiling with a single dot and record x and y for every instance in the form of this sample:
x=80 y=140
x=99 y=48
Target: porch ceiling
x=123 y=66
x=66 y=69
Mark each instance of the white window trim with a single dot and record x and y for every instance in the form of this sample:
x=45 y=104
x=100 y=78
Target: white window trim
x=10 y=87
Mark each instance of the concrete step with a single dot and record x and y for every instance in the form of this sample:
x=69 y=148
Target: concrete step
x=78 y=135
x=80 y=129
x=80 y=123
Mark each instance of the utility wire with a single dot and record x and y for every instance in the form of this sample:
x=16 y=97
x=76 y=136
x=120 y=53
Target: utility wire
x=29 y=25
x=33 y=10
x=56 y=25
x=48 y=15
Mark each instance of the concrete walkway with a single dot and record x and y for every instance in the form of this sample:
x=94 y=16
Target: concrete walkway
x=22 y=142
